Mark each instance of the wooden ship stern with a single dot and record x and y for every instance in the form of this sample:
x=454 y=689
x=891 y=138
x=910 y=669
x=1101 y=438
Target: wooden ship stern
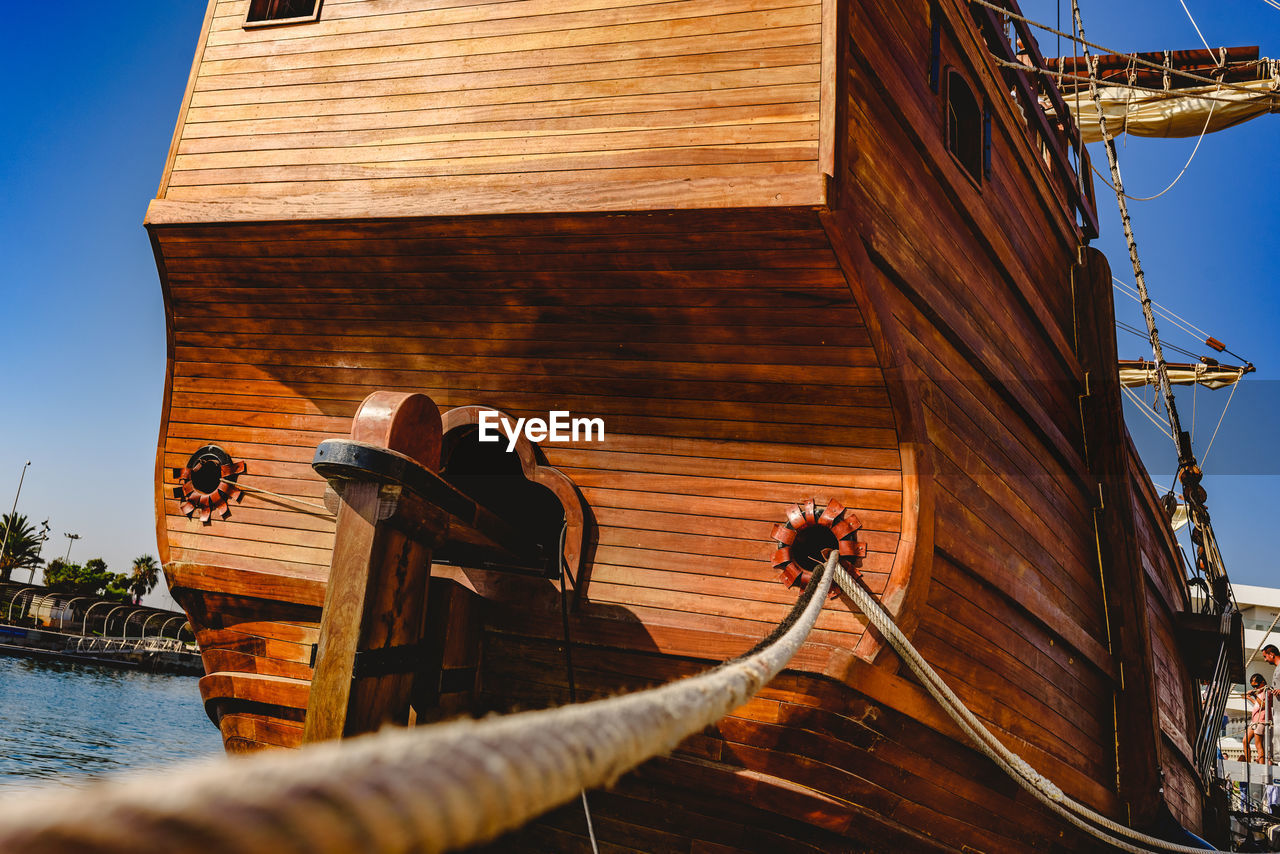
x=793 y=257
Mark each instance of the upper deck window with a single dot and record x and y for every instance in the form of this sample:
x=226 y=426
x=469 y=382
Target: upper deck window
x=267 y=12
x=965 y=131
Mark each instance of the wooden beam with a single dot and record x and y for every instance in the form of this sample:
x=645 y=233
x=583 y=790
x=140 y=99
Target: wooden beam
x=376 y=596
x=1138 y=749
x=769 y=187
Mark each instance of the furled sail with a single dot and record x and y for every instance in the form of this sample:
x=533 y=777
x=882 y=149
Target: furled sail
x=1145 y=102
x=1135 y=373
x=1178 y=112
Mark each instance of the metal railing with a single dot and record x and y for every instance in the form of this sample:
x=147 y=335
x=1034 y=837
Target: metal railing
x=88 y=645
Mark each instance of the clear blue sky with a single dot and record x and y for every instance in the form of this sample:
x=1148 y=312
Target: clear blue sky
x=90 y=104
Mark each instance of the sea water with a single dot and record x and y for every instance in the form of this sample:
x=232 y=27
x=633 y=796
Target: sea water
x=68 y=724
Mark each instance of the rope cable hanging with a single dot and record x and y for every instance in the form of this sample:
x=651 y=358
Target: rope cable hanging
x=1085 y=43
x=1177 y=320
x=1162 y=426
x=1031 y=781
x=1162 y=371
x=454 y=785
x=1226 y=406
x=1113 y=84
x=431 y=789
x=1204 y=130
x=310 y=506
x=1197 y=26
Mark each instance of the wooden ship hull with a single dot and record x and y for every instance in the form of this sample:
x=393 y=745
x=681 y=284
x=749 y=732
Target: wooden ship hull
x=739 y=233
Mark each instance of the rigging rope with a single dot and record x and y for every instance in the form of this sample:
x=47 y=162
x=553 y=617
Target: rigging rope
x=1167 y=69
x=1197 y=26
x=1162 y=426
x=1176 y=319
x=437 y=788
x=1204 y=130
x=317 y=509
x=1133 y=330
x=1112 y=84
x=1205 y=457
x=1039 y=787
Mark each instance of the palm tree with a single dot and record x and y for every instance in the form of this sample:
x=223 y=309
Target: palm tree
x=22 y=544
x=146 y=572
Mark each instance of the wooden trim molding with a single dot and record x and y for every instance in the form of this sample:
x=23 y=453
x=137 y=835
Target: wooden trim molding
x=807 y=188
x=908 y=584
x=827 y=98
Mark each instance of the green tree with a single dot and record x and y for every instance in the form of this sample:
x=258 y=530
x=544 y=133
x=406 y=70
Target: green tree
x=91 y=579
x=146 y=572
x=21 y=546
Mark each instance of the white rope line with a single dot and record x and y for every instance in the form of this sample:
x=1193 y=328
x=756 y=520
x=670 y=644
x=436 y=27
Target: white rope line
x=320 y=509
x=1162 y=426
x=1205 y=456
x=1197 y=26
x=430 y=789
x=1041 y=788
x=1213 y=105
x=1263 y=642
x=1176 y=319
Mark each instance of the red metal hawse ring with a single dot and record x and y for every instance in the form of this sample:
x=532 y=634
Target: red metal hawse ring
x=217 y=498
x=842 y=523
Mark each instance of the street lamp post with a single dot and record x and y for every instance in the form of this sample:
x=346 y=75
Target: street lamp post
x=4 y=546
x=71 y=538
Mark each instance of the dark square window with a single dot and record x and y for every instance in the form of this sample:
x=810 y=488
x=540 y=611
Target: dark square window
x=281 y=11
x=965 y=133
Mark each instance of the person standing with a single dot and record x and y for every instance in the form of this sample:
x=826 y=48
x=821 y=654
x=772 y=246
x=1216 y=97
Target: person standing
x=1256 y=733
x=1271 y=654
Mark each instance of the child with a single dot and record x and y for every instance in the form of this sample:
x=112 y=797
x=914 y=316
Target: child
x=1257 y=730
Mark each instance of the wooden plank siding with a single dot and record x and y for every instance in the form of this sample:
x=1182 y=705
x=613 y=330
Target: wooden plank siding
x=621 y=209
x=707 y=442
x=1177 y=706
x=405 y=97
x=974 y=277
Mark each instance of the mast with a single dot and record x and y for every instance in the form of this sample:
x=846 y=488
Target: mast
x=1185 y=456
x=1208 y=557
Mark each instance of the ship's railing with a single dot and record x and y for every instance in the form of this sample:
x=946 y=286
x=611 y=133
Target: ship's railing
x=1054 y=136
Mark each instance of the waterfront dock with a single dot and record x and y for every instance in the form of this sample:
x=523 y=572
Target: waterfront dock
x=52 y=626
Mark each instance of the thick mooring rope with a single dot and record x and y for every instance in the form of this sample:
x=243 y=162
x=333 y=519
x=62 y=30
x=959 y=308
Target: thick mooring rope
x=437 y=788
x=1041 y=788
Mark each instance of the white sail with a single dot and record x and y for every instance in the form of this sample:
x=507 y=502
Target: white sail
x=1176 y=113
x=1135 y=374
